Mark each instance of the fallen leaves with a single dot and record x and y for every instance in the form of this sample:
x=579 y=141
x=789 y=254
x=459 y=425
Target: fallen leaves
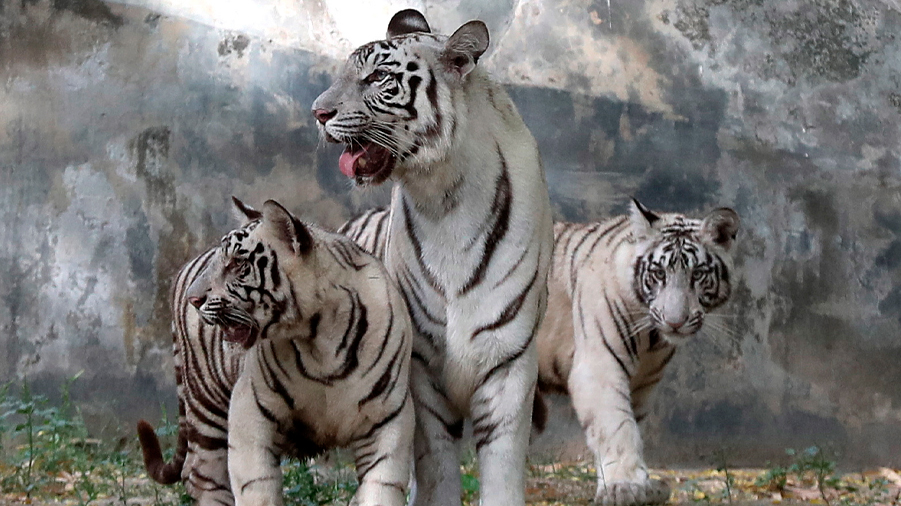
x=574 y=484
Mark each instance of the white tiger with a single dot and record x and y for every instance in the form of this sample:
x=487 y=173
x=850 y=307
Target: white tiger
x=623 y=294
x=288 y=340
x=470 y=240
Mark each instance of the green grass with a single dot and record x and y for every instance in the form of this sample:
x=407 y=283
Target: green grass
x=48 y=455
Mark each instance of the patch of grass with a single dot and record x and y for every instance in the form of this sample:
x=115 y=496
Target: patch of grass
x=47 y=454
x=469 y=478
x=302 y=486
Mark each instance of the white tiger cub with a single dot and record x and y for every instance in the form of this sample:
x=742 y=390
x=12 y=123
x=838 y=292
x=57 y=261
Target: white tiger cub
x=623 y=294
x=470 y=239
x=288 y=340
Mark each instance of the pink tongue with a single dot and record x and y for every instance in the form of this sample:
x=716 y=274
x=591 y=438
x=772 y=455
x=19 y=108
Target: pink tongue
x=348 y=162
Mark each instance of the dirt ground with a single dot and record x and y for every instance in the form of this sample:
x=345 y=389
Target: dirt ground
x=573 y=484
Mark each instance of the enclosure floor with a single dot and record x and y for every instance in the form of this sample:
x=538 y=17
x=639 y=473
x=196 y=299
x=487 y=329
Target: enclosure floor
x=573 y=484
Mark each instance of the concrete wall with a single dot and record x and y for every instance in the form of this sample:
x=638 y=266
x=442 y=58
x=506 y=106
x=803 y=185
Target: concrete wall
x=125 y=127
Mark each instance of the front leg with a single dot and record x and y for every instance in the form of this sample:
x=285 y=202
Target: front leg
x=253 y=456
x=599 y=387
x=383 y=460
x=438 y=431
x=501 y=419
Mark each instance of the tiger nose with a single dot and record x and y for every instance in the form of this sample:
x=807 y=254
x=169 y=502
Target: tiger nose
x=676 y=325
x=197 y=301
x=323 y=115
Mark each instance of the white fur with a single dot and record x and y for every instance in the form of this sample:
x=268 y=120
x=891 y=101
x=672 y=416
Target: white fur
x=334 y=412
x=583 y=350
x=489 y=377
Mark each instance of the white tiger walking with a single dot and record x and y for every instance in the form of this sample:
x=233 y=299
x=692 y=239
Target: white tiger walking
x=623 y=294
x=470 y=240
x=288 y=340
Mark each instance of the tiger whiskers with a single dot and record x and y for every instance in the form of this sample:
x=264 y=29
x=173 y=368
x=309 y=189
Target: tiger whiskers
x=721 y=329
x=640 y=325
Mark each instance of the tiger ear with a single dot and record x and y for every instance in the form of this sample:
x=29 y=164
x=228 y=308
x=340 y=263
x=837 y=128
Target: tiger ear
x=463 y=49
x=642 y=218
x=407 y=21
x=720 y=227
x=287 y=228
x=245 y=212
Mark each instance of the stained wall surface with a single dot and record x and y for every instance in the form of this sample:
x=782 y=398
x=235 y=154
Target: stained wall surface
x=125 y=127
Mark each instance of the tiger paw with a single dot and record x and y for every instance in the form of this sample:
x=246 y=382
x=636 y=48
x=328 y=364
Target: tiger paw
x=632 y=494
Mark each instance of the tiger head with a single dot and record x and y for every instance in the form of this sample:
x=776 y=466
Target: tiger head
x=251 y=283
x=393 y=103
x=682 y=267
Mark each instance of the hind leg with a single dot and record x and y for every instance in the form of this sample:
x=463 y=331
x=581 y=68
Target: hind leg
x=208 y=481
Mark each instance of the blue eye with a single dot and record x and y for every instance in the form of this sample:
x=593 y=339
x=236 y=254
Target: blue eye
x=376 y=75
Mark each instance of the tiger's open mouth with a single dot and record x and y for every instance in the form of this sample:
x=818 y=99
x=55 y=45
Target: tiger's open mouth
x=244 y=335
x=366 y=162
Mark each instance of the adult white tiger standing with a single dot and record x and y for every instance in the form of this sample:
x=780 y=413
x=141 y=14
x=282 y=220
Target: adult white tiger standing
x=470 y=240
x=623 y=294
x=297 y=341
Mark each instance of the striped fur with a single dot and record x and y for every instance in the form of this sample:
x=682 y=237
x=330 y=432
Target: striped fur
x=617 y=291
x=296 y=342
x=470 y=238
x=624 y=293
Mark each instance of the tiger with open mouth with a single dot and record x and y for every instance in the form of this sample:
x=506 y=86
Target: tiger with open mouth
x=288 y=340
x=470 y=239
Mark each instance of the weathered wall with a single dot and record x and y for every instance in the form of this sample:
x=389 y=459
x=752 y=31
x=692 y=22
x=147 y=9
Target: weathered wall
x=125 y=127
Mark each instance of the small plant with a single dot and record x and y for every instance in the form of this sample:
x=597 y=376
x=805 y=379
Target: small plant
x=775 y=479
x=812 y=462
x=722 y=465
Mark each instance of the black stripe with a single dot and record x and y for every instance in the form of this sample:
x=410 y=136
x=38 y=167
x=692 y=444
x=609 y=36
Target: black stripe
x=578 y=306
x=273 y=382
x=512 y=309
x=410 y=286
x=410 y=106
x=503 y=364
x=384 y=381
x=503 y=202
x=417 y=247
x=269 y=415
x=384 y=421
x=622 y=326
x=513 y=269
x=362 y=474
x=385 y=339
x=256 y=480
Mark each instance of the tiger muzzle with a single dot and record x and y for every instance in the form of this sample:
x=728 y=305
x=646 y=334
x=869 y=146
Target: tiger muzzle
x=235 y=324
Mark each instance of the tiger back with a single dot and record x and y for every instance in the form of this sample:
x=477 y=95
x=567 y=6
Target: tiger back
x=289 y=340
